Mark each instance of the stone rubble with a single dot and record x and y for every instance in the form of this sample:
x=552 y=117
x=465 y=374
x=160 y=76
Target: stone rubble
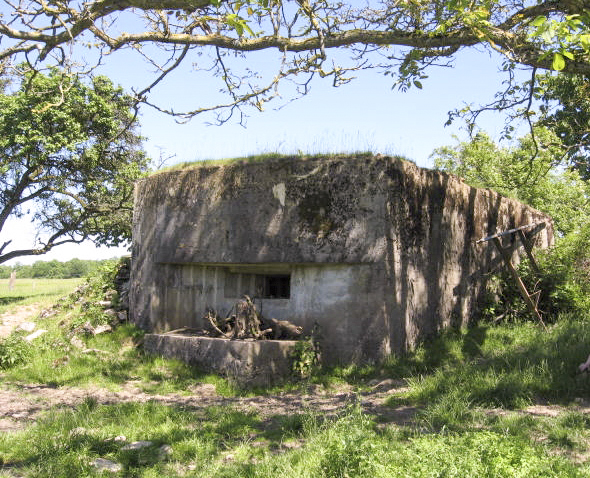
x=164 y=452
x=102 y=464
x=137 y=445
x=101 y=329
x=27 y=326
x=106 y=465
x=77 y=342
x=35 y=335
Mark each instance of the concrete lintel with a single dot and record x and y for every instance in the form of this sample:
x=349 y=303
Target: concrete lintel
x=264 y=267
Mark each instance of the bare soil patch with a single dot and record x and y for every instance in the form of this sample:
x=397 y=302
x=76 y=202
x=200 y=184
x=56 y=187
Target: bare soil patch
x=21 y=405
x=13 y=318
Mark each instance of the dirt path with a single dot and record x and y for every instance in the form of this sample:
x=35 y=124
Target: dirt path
x=23 y=404
x=12 y=319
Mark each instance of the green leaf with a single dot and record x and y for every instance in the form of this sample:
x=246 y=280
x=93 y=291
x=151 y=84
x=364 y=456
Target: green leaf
x=248 y=29
x=540 y=20
x=558 y=62
x=568 y=54
x=417 y=84
x=547 y=36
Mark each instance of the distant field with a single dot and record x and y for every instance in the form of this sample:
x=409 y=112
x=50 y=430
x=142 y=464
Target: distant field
x=29 y=291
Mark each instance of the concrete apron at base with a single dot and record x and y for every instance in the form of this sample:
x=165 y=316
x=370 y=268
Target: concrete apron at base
x=248 y=362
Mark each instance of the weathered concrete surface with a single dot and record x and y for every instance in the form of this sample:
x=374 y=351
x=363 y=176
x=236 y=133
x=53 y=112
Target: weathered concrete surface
x=380 y=253
x=254 y=363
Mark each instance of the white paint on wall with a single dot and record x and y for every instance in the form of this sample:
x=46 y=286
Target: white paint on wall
x=279 y=191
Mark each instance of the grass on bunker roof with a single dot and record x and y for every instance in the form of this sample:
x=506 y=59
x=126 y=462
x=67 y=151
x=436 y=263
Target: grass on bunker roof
x=260 y=158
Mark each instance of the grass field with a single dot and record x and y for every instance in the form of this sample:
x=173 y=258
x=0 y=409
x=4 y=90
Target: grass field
x=471 y=388
x=34 y=291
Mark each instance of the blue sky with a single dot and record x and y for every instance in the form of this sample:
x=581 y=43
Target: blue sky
x=366 y=114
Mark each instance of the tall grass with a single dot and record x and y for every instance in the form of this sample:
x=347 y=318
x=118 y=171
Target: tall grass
x=315 y=153
x=509 y=367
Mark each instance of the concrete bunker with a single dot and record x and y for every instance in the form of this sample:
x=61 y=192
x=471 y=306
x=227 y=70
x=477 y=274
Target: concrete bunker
x=378 y=252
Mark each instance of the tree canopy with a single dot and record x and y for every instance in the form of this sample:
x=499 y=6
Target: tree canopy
x=566 y=111
x=74 y=268
x=400 y=38
x=68 y=156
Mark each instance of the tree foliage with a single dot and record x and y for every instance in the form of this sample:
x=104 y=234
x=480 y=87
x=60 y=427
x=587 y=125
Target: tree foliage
x=68 y=157
x=566 y=111
x=401 y=38
x=542 y=183
x=74 y=268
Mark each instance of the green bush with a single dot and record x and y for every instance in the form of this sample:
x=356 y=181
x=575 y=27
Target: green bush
x=563 y=282
x=14 y=350
x=93 y=291
x=305 y=358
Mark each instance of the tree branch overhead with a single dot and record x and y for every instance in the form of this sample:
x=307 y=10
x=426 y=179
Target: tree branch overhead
x=552 y=34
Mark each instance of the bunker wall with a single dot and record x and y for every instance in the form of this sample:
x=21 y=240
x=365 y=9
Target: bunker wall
x=341 y=299
x=437 y=271
x=379 y=252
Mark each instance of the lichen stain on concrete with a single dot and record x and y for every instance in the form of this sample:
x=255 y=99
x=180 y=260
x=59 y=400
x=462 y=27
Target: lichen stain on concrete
x=315 y=210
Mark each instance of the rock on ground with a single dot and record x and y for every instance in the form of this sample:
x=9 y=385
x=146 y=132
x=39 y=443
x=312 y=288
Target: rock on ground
x=106 y=465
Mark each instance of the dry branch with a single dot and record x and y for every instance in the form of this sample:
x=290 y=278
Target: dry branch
x=248 y=323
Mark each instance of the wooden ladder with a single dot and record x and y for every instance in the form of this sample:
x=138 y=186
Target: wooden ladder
x=531 y=300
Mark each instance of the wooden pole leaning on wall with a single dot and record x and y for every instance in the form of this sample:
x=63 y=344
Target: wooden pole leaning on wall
x=507 y=257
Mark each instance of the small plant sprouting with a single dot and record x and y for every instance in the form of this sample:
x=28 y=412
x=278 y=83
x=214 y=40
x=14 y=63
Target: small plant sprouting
x=303 y=359
x=306 y=355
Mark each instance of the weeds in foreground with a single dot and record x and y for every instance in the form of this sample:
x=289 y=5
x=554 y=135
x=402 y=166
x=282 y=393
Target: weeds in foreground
x=223 y=442
x=14 y=351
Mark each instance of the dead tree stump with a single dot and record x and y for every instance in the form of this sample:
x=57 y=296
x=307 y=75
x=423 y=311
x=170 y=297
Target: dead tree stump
x=247 y=323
